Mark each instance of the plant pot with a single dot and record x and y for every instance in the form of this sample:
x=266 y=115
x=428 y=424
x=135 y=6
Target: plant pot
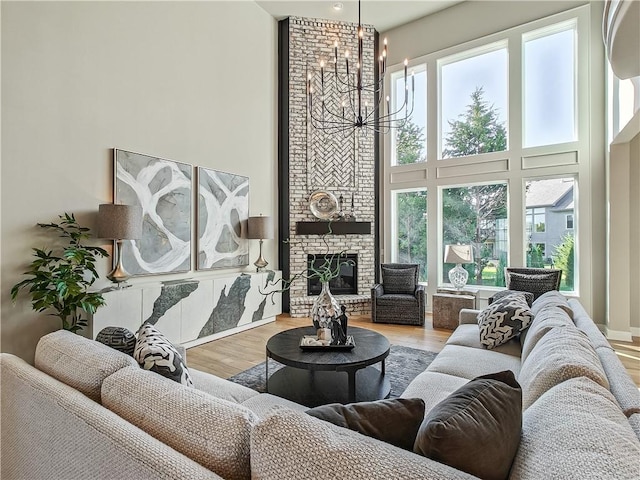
x=325 y=309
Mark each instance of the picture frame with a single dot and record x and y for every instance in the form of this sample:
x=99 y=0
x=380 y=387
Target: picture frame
x=163 y=188
x=222 y=214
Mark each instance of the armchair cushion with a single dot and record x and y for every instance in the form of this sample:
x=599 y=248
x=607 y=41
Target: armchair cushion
x=399 y=279
x=397 y=299
x=534 y=280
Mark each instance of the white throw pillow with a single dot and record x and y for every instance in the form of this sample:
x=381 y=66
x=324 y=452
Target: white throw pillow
x=154 y=352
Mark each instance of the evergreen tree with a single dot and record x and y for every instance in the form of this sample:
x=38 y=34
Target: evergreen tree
x=477 y=131
x=412 y=230
x=409 y=144
x=563 y=259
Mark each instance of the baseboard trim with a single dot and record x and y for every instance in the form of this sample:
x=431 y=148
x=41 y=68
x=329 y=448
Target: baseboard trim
x=618 y=335
x=635 y=331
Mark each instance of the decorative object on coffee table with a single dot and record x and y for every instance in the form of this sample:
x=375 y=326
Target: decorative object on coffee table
x=118 y=223
x=260 y=228
x=458 y=254
x=118 y=338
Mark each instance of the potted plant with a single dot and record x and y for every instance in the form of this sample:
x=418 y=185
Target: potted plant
x=59 y=282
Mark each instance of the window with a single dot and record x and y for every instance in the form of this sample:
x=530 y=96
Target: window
x=549 y=85
x=473 y=97
x=410 y=242
x=409 y=142
x=497 y=155
x=535 y=220
x=477 y=215
x=569 y=222
x=553 y=247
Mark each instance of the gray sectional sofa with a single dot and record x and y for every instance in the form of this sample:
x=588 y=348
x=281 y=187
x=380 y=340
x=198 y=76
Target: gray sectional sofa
x=87 y=411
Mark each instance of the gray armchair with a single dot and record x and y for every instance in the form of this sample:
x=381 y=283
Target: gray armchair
x=533 y=280
x=399 y=298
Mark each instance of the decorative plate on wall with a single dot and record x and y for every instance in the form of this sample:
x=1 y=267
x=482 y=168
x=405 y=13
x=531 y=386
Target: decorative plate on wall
x=323 y=204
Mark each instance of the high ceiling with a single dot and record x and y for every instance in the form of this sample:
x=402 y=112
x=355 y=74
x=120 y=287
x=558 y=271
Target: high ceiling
x=382 y=14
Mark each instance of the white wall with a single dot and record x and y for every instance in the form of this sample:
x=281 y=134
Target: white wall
x=188 y=81
x=472 y=20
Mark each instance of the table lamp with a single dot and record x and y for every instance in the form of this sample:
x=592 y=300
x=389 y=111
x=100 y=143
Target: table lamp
x=119 y=222
x=458 y=254
x=260 y=228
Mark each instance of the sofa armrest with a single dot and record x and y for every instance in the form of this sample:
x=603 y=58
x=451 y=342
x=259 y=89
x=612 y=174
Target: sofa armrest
x=468 y=315
x=377 y=290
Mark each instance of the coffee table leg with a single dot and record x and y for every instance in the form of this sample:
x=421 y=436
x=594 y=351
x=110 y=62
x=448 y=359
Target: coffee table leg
x=351 y=375
x=383 y=367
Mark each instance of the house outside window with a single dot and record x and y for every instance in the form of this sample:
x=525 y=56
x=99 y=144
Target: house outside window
x=569 y=221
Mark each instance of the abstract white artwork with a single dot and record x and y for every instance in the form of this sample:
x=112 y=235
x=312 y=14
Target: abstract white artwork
x=223 y=210
x=163 y=189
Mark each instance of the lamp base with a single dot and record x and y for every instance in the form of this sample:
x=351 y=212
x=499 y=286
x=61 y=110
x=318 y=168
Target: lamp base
x=260 y=263
x=118 y=274
x=458 y=276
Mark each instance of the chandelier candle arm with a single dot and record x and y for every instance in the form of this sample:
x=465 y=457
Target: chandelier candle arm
x=348 y=107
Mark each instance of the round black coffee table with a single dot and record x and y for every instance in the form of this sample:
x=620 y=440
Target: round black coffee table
x=315 y=378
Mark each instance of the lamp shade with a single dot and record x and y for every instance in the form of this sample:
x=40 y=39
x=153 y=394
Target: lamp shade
x=119 y=222
x=260 y=228
x=458 y=254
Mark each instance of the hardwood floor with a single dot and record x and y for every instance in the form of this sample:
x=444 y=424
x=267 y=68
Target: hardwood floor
x=233 y=354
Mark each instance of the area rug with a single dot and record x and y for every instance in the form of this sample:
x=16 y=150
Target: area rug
x=402 y=365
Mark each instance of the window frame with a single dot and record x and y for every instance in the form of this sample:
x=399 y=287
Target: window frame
x=513 y=166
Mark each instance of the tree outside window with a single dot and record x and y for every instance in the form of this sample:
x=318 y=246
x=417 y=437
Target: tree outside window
x=472 y=215
x=411 y=228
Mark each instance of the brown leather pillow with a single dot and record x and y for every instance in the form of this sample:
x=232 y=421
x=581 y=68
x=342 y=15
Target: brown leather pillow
x=477 y=428
x=395 y=421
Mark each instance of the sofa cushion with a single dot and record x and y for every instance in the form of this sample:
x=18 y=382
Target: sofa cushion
x=154 y=352
x=221 y=388
x=576 y=430
x=262 y=404
x=79 y=362
x=467 y=362
x=621 y=386
x=477 y=428
x=503 y=293
x=468 y=335
x=503 y=320
x=213 y=432
x=433 y=387
x=289 y=444
x=51 y=431
x=552 y=298
x=561 y=354
x=543 y=322
x=634 y=421
x=396 y=299
x=395 y=421
x=399 y=280
x=584 y=322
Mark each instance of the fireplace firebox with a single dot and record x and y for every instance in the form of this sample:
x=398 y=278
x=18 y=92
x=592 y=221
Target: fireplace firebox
x=345 y=284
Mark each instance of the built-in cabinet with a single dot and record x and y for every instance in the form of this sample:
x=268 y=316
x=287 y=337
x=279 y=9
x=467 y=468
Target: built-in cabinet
x=194 y=311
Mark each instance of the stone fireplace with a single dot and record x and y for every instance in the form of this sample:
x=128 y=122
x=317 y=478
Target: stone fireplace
x=311 y=160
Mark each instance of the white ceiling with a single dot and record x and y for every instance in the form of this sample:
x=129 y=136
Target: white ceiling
x=382 y=14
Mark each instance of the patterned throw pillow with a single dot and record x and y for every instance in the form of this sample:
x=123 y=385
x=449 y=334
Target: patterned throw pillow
x=154 y=352
x=118 y=338
x=503 y=320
